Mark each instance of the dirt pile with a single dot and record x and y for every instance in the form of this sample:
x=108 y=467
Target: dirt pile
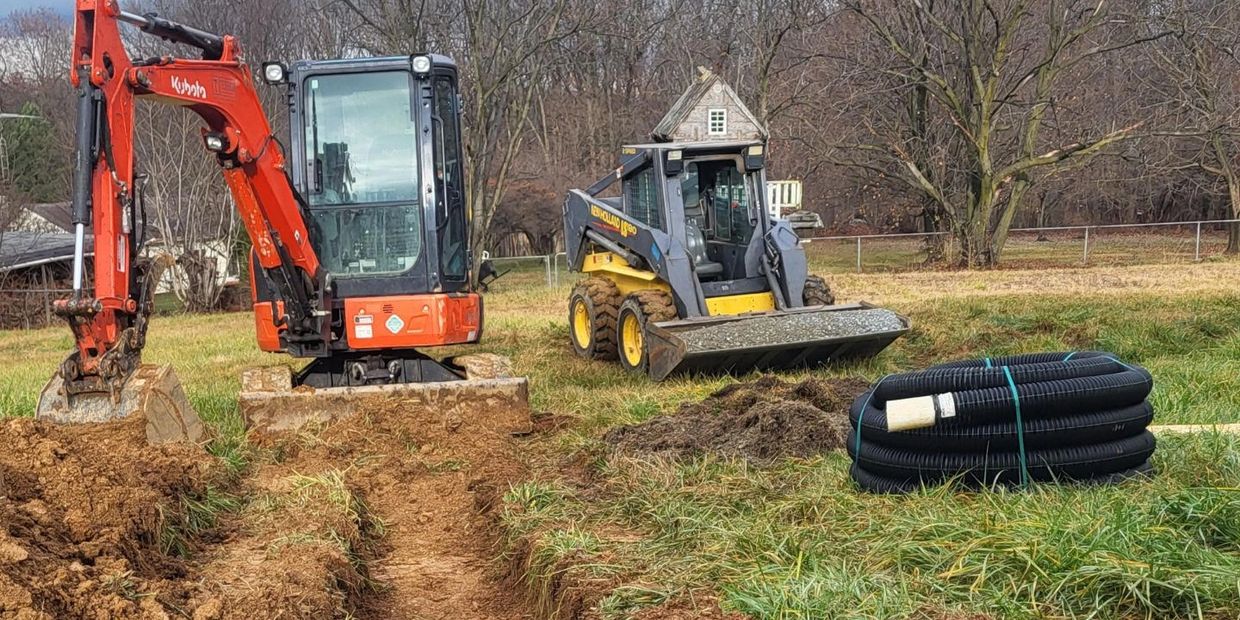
x=84 y=517
x=762 y=421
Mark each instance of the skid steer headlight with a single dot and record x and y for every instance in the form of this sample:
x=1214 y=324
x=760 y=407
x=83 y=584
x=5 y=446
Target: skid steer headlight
x=755 y=158
x=422 y=65
x=274 y=73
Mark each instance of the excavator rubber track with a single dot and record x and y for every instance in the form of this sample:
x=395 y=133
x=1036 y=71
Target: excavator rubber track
x=794 y=338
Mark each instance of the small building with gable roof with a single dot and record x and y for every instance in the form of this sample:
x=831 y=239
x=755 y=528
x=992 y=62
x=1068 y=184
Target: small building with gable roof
x=709 y=111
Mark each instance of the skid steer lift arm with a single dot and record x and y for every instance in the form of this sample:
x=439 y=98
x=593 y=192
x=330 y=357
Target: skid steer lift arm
x=110 y=325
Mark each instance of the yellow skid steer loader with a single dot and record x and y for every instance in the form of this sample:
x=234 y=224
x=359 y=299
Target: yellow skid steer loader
x=689 y=273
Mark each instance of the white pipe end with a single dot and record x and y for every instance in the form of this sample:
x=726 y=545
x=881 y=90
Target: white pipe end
x=910 y=413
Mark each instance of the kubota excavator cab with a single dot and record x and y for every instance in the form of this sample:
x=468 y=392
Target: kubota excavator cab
x=375 y=152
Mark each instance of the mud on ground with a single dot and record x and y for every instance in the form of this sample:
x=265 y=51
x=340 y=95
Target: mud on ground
x=762 y=421
x=384 y=515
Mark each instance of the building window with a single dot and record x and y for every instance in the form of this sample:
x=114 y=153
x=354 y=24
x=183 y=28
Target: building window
x=718 y=122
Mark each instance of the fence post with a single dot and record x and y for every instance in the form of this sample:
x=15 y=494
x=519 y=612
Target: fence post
x=1085 y=255
x=547 y=263
x=47 y=297
x=555 y=269
x=1197 y=251
x=858 y=254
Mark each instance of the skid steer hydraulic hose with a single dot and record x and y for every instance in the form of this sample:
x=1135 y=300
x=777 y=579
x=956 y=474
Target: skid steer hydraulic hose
x=1011 y=420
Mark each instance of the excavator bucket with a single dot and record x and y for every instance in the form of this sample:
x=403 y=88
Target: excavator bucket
x=795 y=338
x=152 y=391
x=270 y=402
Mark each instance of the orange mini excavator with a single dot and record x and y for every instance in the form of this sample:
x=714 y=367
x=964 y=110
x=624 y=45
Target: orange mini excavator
x=360 y=228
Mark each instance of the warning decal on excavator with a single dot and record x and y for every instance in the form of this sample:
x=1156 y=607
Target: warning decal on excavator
x=394 y=324
x=613 y=222
x=363 y=325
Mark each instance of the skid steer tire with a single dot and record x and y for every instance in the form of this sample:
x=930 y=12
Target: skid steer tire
x=636 y=312
x=817 y=293
x=592 y=310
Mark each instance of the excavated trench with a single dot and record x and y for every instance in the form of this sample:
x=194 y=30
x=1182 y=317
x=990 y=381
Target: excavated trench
x=383 y=515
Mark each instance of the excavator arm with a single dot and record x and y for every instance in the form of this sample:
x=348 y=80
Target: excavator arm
x=109 y=325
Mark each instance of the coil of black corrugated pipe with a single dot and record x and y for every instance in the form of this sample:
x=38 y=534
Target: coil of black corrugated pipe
x=1042 y=417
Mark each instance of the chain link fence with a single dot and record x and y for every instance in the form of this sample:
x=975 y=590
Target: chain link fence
x=1060 y=246
x=1050 y=247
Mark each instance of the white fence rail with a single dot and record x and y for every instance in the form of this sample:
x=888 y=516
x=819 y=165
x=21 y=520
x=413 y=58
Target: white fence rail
x=552 y=265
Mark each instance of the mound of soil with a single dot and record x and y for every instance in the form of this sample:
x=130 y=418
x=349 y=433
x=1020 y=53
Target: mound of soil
x=761 y=421
x=82 y=513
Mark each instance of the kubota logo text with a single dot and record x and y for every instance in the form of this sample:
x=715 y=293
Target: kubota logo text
x=187 y=89
x=613 y=222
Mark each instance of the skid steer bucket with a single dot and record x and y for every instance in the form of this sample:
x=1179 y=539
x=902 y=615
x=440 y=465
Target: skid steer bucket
x=794 y=338
x=271 y=403
x=152 y=391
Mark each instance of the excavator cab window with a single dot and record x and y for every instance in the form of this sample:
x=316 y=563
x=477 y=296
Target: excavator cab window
x=361 y=171
x=450 y=187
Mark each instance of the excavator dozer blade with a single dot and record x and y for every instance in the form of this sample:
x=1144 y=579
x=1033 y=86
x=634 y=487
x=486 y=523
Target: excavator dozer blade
x=152 y=391
x=271 y=403
x=796 y=338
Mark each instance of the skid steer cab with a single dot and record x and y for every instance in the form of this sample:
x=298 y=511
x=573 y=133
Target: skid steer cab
x=687 y=271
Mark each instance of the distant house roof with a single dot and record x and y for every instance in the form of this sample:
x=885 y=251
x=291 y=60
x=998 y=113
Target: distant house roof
x=58 y=214
x=665 y=131
x=21 y=249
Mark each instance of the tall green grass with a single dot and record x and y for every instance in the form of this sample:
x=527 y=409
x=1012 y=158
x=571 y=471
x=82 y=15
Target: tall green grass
x=798 y=541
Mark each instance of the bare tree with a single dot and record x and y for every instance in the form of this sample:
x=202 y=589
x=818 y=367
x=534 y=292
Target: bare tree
x=988 y=69
x=1196 y=80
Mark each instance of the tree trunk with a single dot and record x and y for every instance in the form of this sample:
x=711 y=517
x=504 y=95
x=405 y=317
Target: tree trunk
x=932 y=224
x=1233 y=229
x=1223 y=155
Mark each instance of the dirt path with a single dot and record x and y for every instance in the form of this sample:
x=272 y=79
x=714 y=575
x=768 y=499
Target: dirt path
x=431 y=478
x=440 y=549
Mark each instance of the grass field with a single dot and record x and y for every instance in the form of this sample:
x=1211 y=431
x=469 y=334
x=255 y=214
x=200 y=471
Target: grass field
x=796 y=540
